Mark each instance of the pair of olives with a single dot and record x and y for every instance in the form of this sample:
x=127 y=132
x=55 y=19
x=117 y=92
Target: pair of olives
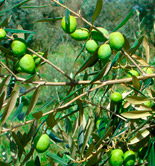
x=104 y=51
x=27 y=63
x=118 y=158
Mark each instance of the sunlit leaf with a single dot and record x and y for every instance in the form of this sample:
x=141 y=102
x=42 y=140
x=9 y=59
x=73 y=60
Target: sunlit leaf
x=4 y=84
x=9 y=107
x=138 y=137
x=33 y=101
x=2 y=97
x=136 y=114
x=136 y=99
x=147 y=49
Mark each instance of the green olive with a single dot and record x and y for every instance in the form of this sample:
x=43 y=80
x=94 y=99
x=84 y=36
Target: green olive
x=80 y=34
x=99 y=36
x=116 y=41
x=70 y=26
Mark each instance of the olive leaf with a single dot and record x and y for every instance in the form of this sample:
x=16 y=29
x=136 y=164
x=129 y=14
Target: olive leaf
x=136 y=99
x=97 y=11
x=33 y=101
x=138 y=137
x=136 y=114
x=10 y=106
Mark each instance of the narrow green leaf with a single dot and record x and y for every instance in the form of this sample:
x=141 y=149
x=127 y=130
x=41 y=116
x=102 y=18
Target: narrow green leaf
x=104 y=72
x=50 y=19
x=4 y=84
x=87 y=135
x=30 y=78
x=56 y=158
x=68 y=125
x=15 y=6
x=32 y=7
x=54 y=137
x=136 y=45
x=125 y=20
x=147 y=83
x=73 y=93
x=18 y=111
x=80 y=51
x=10 y=106
x=5 y=22
x=81 y=111
x=19 y=144
x=90 y=150
x=151 y=156
x=18 y=31
x=33 y=101
x=97 y=11
x=87 y=63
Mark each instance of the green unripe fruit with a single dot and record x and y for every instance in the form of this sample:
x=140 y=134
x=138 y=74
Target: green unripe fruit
x=116 y=157
x=104 y=52
x=116 y=97
x=27 y=64
x=133 y=73
x=17 y=67
x=41 y=143
x=70 y=26
x=19 y=47
x=147 y=103
x=80 y=34
x=116 y=40
x=148 y=70
x=99 y=36
x=2 y=34
x=36 y=58
x=91 y=46
x=30 y=163
x=129 y=158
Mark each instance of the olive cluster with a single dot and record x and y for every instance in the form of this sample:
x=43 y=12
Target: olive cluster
x=109 y=42
x=118 y=158
x=25 y=62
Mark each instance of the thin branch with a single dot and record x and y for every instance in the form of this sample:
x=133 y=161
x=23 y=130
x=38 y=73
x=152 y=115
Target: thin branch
x=110 y=82
x=47 y=61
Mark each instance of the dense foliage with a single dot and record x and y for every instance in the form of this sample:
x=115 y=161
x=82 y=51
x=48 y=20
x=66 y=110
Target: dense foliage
x=77 y=99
